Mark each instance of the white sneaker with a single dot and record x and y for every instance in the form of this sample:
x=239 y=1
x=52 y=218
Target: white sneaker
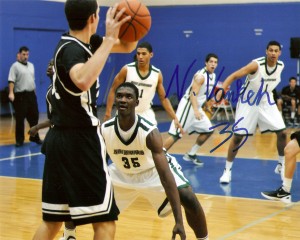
x=226 y=177
x=193 y=158
x=278 y=168
x=165 y=209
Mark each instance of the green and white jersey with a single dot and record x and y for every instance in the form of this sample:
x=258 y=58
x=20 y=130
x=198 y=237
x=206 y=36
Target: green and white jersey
x=130 y=156
x=209 y=81
x=265 y=78
x=146 y=85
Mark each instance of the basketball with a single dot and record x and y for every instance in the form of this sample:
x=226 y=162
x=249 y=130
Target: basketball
x=139 y=24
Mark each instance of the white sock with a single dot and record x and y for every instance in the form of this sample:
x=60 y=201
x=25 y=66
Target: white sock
x=228 y=165
x=194 y=150
x=293 y=115
x=69 y=233
x=280 y=159
x=287 y=184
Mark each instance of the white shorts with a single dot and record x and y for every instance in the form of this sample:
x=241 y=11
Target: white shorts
x=266 y=116
x=149 y=115
x=128 y=187
x=186 y=117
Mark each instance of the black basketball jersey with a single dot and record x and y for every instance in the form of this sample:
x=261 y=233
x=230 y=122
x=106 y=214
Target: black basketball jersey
x=72 y=107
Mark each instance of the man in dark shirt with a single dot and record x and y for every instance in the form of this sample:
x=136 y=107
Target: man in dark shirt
x=291 y=97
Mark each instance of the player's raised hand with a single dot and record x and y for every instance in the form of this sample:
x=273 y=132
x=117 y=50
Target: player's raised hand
x=113 y=22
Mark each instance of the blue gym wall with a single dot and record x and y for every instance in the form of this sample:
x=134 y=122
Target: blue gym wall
x=227 y=30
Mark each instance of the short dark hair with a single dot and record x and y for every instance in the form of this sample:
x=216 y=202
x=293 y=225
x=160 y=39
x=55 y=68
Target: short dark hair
x=23 y=48
x=274 y=43
x=78 y=11
x=145 y=45
x=210 y=55
x=291 y=78
x=130 y=85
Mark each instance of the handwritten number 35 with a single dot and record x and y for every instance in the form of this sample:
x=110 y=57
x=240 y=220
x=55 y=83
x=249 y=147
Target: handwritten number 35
x=134 y=162
x=233 y=130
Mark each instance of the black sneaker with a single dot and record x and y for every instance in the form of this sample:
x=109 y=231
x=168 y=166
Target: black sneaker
x=278 y=195
x=36 y=140
x=19 y=144
x=193 y=158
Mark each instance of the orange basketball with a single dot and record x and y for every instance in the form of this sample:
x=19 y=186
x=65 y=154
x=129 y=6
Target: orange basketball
x=139 y=24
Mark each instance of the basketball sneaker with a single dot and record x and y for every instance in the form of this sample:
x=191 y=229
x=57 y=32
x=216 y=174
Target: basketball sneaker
x=69 y=238
x=278 y=195
x=193 y=158
x=226 y=177
x=165 y=209
x=278 y=168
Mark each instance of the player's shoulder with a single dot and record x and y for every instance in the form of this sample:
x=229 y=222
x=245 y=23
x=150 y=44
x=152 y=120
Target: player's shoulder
x=155 y=69
x=201 y=71
x=108 y=123
x=130 y=65
x=145 y=124
x=260 y=60
x=280 y=63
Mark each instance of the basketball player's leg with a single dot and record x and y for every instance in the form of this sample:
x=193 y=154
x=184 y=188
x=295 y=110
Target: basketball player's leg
x=47 y=230
x=104 y=230
x=203 y=128
x=291 y=150
x=184 y=115
x=281 y=142
x=270 y=119
x=246 y=118
x=194 y=213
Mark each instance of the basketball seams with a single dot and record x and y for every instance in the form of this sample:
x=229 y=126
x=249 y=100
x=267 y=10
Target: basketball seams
x=139 y=24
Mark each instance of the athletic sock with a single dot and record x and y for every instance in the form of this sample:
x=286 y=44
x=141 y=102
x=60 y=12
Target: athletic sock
x=228 y=165
x=287 y=184
x=280 y=159
x=69 y=233
x=293 y=115
x=194 y=150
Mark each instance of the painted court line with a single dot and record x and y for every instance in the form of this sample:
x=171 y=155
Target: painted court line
x=229 y=235
x=21 y=156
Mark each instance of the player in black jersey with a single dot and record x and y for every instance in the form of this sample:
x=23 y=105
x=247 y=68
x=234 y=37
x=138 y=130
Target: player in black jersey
x=76 y=183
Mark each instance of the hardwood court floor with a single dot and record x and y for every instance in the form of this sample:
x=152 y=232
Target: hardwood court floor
x=228 y=217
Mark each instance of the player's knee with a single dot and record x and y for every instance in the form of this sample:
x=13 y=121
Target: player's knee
x=188 y=199
x=282 y=135
x=237 y=139
x=105 y=230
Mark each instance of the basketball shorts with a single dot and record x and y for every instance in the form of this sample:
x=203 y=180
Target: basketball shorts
x=76 y=181
x=296 y=135
x=266 y=116
x=128 y=187
x=189 y=123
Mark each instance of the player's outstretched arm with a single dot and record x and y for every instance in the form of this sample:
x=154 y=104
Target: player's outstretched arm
x=250 y=68
x=166 y=103
x=155 y=144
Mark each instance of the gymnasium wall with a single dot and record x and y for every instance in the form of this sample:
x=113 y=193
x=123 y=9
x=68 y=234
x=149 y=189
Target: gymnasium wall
x=181 y=37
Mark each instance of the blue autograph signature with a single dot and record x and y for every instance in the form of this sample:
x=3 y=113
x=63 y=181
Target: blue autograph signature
x=250 y=98
x=234 y=129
